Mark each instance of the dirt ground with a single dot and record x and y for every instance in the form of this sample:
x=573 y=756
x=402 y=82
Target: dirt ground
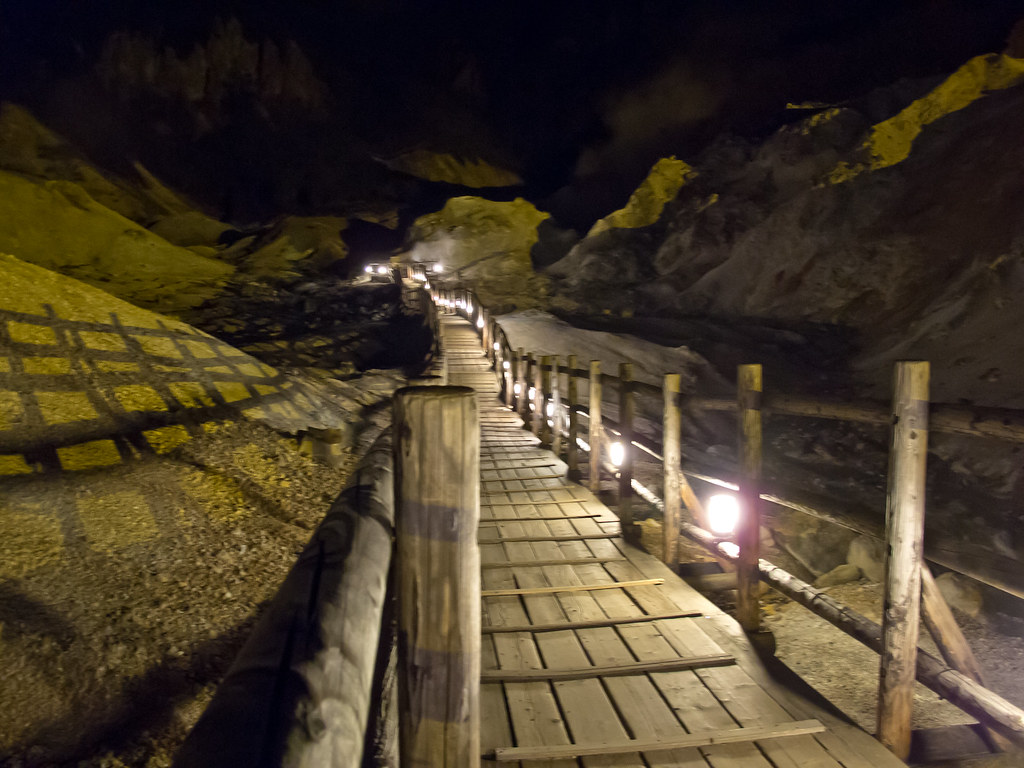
x=112 y=651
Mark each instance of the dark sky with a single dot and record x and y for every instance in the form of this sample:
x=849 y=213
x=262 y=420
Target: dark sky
x=572 y=88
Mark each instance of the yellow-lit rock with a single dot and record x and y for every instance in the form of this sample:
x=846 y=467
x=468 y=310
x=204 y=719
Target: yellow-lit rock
x=891 y=141
x=487 y=241
x=31 y=539
x=58 y=225
x=645 y=205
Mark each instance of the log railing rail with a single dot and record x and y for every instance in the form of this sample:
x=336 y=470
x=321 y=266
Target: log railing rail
x=960 y=685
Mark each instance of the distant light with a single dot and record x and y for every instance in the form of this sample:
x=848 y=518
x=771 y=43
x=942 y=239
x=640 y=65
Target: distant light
x=438 y=268
x=480 y=323
x=550 y=410
x=532 y=393
x=382 y=270
x=426 y=285
x=497 y=346
x=517 y=388
x=723 y=510
x=506 y=365
x=368 y=268
x=616 y=454
x=469 y=307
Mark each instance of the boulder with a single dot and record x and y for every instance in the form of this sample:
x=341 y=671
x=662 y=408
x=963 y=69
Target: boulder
x=190 y=228
x=961 y=593
x=869 y=555
x=841 y=574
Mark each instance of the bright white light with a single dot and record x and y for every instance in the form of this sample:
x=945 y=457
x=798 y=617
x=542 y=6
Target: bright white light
x=506 y=365
x=480 y=323
x=583 y=444
x=382 y=270
x=368 y=268
x=723 y=513
x=469 y=307
x=550 y=410
x=616 y=453
x=518 y=388
x=497 y=346
x=460 y=303
x=438 y=268
x=532 y=393
x=426 y=285
x=420 y=276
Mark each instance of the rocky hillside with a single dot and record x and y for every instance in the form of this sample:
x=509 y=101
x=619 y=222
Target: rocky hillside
x=895 y=215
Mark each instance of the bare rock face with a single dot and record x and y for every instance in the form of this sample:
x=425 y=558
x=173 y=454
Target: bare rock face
x=133 y=65
x=960 y=592
x=867 y=554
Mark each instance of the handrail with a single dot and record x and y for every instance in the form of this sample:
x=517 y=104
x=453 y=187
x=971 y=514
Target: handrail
x=968 y=693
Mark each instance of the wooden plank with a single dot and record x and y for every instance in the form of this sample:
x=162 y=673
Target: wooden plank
x=541 y=563
x=904 y=518
x=493 y=520
x=575 y=537
x=437 y=497
x=589 y=623
x=615 y=670
x=706 y=738
x=572 y=587
x=748 y=532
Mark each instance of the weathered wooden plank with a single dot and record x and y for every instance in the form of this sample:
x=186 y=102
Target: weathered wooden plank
x=614 y=670
x=572 y=587
x=596 y=428
x=587 y=624
x=706 y=738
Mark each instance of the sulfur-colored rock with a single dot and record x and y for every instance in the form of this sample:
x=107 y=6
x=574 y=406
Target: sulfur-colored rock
x=467 y=172
x=841 y=574
x=57 y=225
x=961 y=593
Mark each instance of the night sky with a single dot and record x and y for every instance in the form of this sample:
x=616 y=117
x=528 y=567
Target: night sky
x=592 y=91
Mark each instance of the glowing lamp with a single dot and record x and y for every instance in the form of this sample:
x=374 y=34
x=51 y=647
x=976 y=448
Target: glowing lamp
x=497 y=346
x=382 y=270
x=616 y=453
x=723 y=510
x=532 y=393
x=506 y=365
x=438 y=268
x=517 y=389
x=368 y=268
x=480 y=323
x=550 y=410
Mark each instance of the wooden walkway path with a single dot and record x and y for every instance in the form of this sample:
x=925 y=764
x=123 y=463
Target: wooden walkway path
x=590 y=645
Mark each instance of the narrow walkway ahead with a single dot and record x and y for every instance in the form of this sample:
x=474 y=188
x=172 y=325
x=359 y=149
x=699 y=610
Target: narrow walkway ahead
x=592 y=643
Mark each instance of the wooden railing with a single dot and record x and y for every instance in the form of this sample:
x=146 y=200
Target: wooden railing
x=351 y=663
x=532 y=385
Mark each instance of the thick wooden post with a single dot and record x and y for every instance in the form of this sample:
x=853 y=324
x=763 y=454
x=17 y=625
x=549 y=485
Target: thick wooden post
x=595 y=434
x=485 y=333
x=437 y=499
x=627 y=410
x=523 y=400
x=671 y=425
x=904 y=526
x=572 y=399
x=541 y=385
x=556 y=408
x=748 y=534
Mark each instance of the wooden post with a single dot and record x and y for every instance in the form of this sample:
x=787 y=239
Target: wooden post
x=511 y=377
x=904 y=524
x=748 y=535
x=485 y=334
x=523 y=401
x=627 y=408
x=672 y=463
x=556 y=408
x=596 y=432
x=437 y=499
x=572 y=398
x=540 y=387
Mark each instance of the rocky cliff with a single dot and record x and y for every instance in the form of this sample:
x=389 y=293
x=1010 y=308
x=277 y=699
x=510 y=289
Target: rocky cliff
x=895 y=215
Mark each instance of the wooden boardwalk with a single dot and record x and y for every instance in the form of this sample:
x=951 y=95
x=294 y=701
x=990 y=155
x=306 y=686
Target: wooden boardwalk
x=590 y=645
